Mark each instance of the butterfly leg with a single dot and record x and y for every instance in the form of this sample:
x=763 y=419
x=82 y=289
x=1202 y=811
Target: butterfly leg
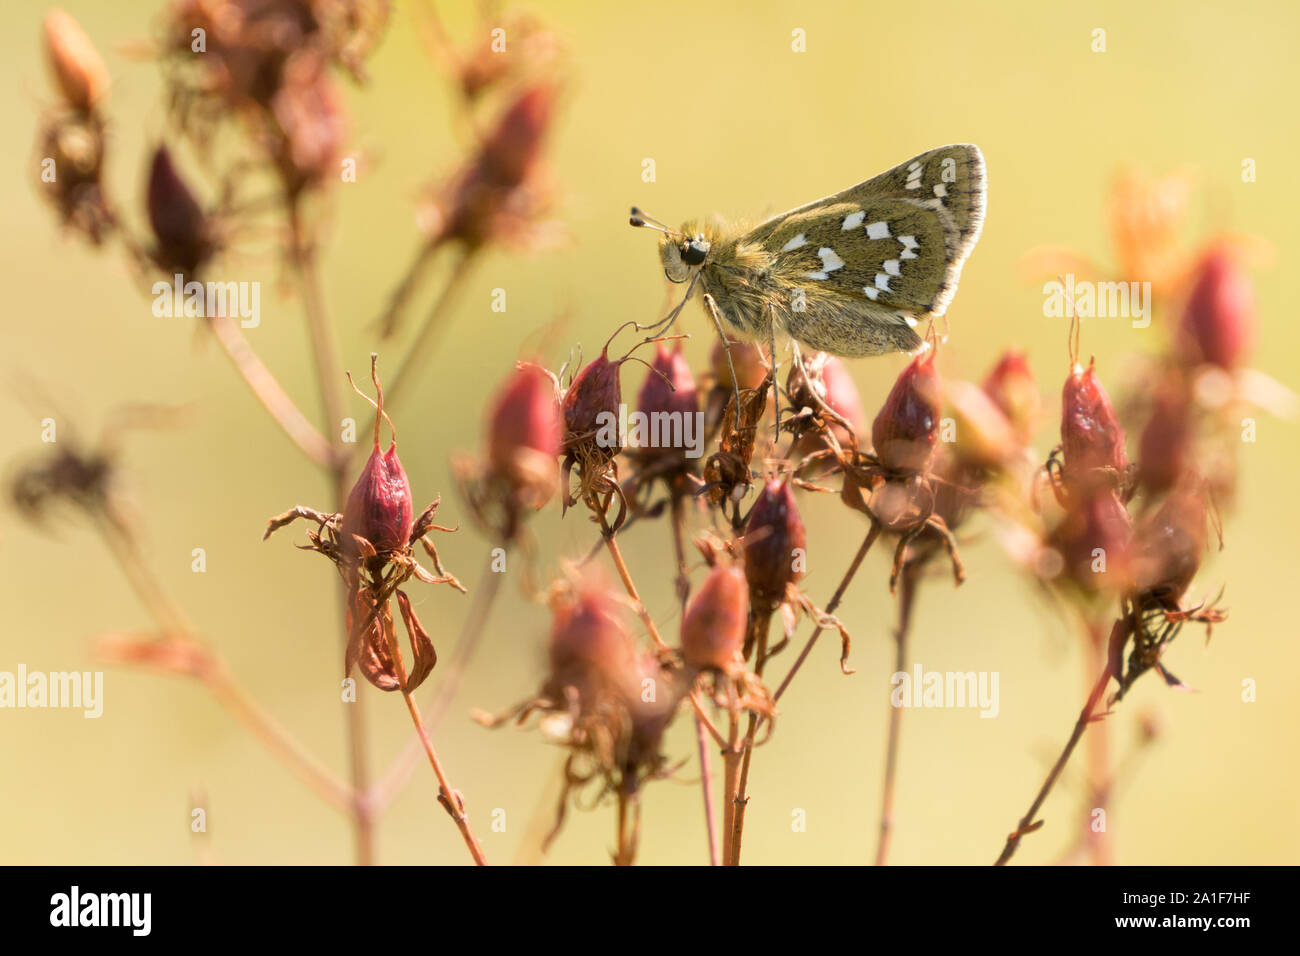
x=726 y=347
x=776 y=389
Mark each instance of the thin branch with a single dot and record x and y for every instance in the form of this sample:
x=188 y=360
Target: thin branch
x=177 y=627
x=329 y=373
x=626 y=576
x=1027 y=822
x=706 y=784
x=450 y=798
x=267 y=390
x=872 y=533
x=391 y=782
x=434 y=322
x=906 y=599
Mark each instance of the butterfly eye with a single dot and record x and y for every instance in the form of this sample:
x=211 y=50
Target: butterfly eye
x=694 y=252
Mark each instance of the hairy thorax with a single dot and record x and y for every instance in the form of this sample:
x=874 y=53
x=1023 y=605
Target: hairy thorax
x=735 y=276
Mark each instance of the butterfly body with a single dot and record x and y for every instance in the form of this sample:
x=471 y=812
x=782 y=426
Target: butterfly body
x=852 y=274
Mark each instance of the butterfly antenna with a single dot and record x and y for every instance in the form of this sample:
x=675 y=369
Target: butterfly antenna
x=641 y=219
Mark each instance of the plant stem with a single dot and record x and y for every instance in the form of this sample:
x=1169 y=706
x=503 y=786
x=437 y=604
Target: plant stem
x=1099 y=771
x=906 y=600
x=706 y=784
x=447 y=796
x=390 y=784
x=762 y=623
x=872 y=533
x=1027 y=823
x=175 y=626
x=324 y=342
x=405 y=287
x=626 y=576
x=329 y=373
x=267 y=390
x=418 y=353
x=701 y=735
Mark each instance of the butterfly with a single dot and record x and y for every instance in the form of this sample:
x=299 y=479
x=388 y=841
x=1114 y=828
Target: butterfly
x=852 y=274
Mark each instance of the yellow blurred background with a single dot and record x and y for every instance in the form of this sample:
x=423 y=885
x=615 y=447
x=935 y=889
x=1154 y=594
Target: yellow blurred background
x=739 y=124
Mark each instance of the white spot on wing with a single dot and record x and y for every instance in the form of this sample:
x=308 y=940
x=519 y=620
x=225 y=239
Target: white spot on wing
x=853 y=220
x=830 y=261
x=878 y=230
x=891 y=266
x=882 y=282
x=910 y=321
x=818 y=275
x=940 y=190
x=872 y=292
x=795 y=243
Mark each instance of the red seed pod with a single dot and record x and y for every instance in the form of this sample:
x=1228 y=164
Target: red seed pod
x=775 y=545
x=1218 y=323
x=907 y=429
x=670 y=386
x=668 y=396
x=524 y=429
x=713 y=628
x=379 y=506
x=77 y=66
x=1095 y=542
x=832 y=383
x=1165 y=448
x=1169 y=544
x=589 y=650
x=985 y=437
x=1013 y=389
x=591 y=404
x=746 y=357
x=512 y=149
x=490 y=195
x=177 y=219
x=1091 y=435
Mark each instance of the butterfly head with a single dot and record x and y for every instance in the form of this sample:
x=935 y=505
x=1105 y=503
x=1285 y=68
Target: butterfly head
x=680 y=250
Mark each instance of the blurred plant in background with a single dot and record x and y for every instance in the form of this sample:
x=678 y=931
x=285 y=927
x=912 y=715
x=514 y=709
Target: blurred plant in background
x=1114 y=540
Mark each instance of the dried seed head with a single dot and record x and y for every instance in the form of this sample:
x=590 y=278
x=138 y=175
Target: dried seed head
x=1218 y=323
x=985 y=437
x=309 y=114
x=832 y=383
x=379 y=506
x=713 y=628
x=179 y=225
x=775 y=545
x=514 y=147
x=1165 y=448
x=491 y=196
x=77 y=66
x=1091 y=435
x=907 y=429
x=1169 y=544
x=670 y=386
x=594 y=395
x=248 y=43
x=76 y=145
x=590 y=650
x=669 y=389
x=1095 y=540
x=524 y=433
x=1013 y=389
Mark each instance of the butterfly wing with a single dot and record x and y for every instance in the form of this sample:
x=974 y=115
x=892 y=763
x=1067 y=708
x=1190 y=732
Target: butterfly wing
x=878 y=258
